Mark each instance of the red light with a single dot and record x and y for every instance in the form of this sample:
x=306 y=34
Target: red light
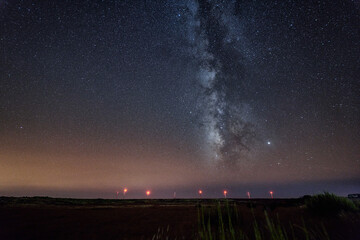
x=271 y=194
x=148 y=193
x=248 y=194
x=125 y=190
x=200 y=192
x=225 y=193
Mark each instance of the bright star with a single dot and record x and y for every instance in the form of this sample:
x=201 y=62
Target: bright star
x=268 y=142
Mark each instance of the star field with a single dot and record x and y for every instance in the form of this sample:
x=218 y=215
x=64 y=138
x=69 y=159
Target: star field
x=179 y=94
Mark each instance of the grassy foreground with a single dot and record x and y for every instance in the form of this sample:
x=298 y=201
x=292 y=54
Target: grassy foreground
x=225 y=223
x=324 y=216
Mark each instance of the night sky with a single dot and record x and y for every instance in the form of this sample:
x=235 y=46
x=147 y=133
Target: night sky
x=179 y=95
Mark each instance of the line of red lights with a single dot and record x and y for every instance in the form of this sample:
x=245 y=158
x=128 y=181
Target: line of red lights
x=200 y=193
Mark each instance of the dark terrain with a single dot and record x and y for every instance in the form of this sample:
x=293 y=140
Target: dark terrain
x=56 y=218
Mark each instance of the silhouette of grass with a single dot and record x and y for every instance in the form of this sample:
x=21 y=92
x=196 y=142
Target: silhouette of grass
x=328 y=204
x=224 y=224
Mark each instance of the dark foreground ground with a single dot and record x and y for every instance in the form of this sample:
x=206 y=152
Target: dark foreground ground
x=54 y=218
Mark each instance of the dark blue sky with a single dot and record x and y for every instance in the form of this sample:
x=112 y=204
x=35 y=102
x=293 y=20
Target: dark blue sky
x=99 y=95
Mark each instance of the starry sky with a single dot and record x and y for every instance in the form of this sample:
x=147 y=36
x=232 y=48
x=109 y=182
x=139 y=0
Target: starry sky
x=179 y=95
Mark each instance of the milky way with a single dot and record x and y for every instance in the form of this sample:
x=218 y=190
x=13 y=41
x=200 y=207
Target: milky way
x=226 y=120
x=179 y=94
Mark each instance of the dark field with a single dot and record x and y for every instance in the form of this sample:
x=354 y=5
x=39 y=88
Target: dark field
x=55 y=218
